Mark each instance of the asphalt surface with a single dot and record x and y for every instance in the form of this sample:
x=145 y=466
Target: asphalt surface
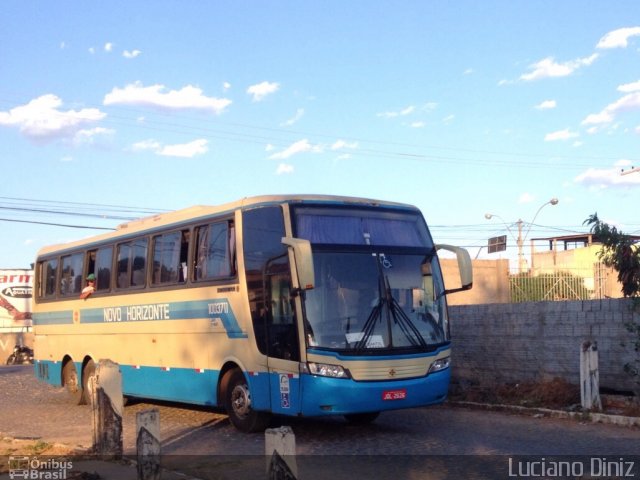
x=399 y=444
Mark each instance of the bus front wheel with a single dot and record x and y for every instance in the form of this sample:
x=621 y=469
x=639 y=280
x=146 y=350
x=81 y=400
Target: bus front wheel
x=71 y=383
x=238 y=404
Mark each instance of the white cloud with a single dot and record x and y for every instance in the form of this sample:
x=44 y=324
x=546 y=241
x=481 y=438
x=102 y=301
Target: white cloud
x=284 y=168
x=629 y=102
x=448 y=119
x=108 y=47
x=299 y=114
x=92 y=50
x=131 y=53
x=546 y=105
x=188 y=97
x=401 y=113
x=526 y=198
x=598 y=179
x=549 y=68
x=342 y=144
x=63 y=45
x=87 y=136
x=183 y=150
x=598 y=118
x=300 y=146
x=618 y=38
x=145 y=145
x=565 y=134
x=42 y=120
x=623 y=163
x=226 y=86
x=629 y=87
x=261 y=90
x=468 y=71
x=417 y=124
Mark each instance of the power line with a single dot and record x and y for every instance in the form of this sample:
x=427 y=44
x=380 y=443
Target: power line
x=54 y=224
x=177 y=125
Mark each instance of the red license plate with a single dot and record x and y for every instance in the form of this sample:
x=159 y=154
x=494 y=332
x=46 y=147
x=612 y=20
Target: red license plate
x=394 y=394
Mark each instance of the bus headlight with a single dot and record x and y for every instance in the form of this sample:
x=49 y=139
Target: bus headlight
x=325 y=370
x=440 y=364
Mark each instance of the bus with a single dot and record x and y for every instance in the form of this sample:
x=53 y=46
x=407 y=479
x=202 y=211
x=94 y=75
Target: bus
x=305 y=305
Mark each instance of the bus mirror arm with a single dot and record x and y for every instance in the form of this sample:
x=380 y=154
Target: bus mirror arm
x=464 y=267
x=303 y=261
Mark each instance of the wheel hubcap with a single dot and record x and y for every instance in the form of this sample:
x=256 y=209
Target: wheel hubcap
x=72 y=382
x=241 y=400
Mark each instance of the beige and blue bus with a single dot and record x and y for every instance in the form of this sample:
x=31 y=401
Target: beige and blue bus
x=303 y=305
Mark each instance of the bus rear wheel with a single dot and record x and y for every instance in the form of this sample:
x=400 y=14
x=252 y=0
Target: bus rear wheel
x=71 y=383
x=88 y=383
x=238 y=404
x=361 y=418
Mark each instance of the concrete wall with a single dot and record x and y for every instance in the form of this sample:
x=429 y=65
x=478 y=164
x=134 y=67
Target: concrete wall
x=490 y=282
x=504 y=343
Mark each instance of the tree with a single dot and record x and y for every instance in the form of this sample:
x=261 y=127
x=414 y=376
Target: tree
x=619 y=252
x=622 y=254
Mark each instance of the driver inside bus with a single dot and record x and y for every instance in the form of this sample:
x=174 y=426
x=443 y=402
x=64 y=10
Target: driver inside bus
x=90 y=288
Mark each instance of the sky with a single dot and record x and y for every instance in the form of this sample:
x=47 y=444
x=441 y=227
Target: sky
x=115 y=110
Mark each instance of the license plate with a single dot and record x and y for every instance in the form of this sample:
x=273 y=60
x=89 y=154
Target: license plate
x=394 y=394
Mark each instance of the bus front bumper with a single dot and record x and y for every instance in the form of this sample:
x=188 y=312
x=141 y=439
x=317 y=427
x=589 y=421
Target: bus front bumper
x=333 y=396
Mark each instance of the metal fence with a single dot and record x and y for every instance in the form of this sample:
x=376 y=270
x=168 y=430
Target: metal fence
x=560 y=283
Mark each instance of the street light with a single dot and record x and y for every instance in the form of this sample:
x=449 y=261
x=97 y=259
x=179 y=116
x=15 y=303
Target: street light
x=520 y=240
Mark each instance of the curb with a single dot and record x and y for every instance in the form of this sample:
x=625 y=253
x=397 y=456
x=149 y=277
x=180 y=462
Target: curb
x=592 y=417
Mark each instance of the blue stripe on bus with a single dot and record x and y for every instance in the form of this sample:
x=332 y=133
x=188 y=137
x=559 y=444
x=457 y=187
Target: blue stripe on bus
x=215 y=309
x=53 y=318
x=187 y=385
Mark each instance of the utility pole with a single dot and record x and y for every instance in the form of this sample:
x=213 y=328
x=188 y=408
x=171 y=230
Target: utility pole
x=633 y=170
x=521 y=261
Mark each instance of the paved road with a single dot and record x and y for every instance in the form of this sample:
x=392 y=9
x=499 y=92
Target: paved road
x=194 y=436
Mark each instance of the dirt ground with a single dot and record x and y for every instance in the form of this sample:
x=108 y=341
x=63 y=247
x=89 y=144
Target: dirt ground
x=23 y=447
x=556 y=394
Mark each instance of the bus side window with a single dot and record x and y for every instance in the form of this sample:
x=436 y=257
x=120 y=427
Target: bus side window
x=170 y=257
x=215 y=251
x=269 y=283
x=71 y=275
x=48 y=271
x=102 y=268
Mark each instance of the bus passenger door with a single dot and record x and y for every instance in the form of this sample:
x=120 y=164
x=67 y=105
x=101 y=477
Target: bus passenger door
x=283 y=345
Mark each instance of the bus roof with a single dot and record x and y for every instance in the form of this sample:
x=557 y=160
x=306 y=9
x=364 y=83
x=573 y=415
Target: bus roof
x=202 y=211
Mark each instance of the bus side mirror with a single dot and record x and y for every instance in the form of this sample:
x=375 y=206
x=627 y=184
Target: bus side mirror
x=304 y=261
x=464 y=266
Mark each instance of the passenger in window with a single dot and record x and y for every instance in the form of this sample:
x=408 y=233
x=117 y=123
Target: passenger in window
x=90 y=288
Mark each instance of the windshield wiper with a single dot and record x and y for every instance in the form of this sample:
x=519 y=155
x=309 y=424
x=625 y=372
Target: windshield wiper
x=395 y=314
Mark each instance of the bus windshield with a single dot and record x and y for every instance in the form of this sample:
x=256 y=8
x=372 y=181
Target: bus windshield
x=378 y=288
